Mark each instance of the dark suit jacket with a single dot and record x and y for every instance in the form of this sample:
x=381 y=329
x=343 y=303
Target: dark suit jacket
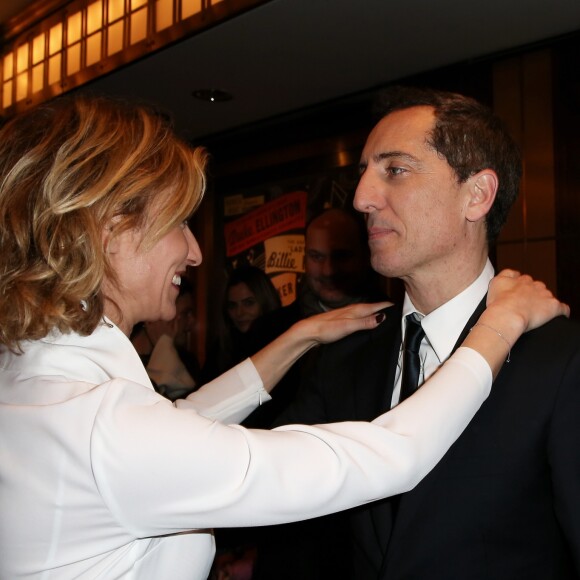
x=504 y=502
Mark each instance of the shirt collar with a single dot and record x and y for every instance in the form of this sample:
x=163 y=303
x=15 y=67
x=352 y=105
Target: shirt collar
x=444 y=325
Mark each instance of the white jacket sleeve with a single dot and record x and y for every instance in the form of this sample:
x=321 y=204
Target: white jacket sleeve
x=163 y=469
x=229 y=398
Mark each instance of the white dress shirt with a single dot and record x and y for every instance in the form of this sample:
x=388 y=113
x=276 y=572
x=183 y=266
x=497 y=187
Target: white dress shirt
x=102 y=477
x=442 y=328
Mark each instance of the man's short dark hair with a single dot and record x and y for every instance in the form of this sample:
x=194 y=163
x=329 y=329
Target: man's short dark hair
x=470 y=137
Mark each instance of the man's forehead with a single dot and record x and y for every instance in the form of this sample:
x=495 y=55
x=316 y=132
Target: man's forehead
x=406 y=126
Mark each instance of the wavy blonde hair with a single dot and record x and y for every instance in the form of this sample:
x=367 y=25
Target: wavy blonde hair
x=69 y=169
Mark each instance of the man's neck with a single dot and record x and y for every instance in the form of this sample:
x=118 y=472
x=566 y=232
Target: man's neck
x=429 y=290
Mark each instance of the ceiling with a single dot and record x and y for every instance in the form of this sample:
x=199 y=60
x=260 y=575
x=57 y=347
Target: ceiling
x=9 y=8
x=289 y=54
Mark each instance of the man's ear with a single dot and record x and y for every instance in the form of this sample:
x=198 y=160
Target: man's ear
x=482 y=191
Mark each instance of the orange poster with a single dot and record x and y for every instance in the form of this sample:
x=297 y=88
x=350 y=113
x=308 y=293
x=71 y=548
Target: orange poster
x=283 y=214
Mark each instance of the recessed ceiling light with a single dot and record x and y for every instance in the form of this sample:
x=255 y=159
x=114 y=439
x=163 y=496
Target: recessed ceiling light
x=212 y=95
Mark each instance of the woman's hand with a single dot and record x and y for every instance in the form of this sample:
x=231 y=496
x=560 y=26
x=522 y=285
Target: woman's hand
x=522 y=302
x=515 y=304
x=340 y=322
x=274 y=360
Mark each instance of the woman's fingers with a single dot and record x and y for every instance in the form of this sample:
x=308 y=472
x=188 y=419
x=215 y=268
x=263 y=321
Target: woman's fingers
x=336 y=324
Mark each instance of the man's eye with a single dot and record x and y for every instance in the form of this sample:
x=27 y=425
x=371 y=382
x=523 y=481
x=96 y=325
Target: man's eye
x=315 y=257
x=395 y=170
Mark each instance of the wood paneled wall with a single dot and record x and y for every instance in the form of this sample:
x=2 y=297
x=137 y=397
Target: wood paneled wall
x=523 y=98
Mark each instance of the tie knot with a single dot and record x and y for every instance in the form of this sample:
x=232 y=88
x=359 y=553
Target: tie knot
x=414 y=333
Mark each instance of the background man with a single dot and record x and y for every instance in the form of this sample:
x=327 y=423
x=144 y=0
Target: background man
x=438 y=176
x=337 y=272
x=336 y=262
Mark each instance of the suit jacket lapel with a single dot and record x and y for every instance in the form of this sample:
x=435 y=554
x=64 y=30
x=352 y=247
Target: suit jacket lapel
x=376 y=371
x=410 y=503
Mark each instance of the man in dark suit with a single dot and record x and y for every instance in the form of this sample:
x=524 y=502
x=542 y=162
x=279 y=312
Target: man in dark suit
x=438 y=176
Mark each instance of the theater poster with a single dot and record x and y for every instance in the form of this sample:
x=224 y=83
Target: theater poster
x=271 y=237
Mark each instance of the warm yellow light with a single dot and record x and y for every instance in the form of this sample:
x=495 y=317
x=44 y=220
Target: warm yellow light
x=115 y=38
x=55 y=39
x=22 y=86
x=54 y=69
x=116 y=10
x=94 y=16
x=94 y=48
x=163 y=14
x=22 y=58
x=38 y=48
x=138 y=26
x=73 y=59
x=38 y=78
x=84 y=33
x=189 y=8
x=7 y=94
x=74 y=28
x=8 y=69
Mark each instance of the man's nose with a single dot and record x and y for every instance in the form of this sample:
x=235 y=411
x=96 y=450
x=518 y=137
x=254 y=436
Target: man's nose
x=328 y=267
x=366 y=196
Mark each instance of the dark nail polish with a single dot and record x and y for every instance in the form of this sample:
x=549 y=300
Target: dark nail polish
x=380 y=317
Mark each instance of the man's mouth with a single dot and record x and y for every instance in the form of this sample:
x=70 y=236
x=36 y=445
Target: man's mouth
x=378 y=232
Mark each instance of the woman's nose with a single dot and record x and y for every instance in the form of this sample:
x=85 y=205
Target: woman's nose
x=194 y=255
x=237 y=311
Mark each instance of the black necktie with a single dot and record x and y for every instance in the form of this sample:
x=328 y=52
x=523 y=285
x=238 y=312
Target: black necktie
x=411 y=364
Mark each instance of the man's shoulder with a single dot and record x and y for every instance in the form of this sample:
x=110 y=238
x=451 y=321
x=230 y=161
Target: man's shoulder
x=387 y=333
x=561 y=332
x=547 y=354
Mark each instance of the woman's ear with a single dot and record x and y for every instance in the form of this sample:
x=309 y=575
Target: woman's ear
x=111 y=235
x=109 y=238
x=482 y=189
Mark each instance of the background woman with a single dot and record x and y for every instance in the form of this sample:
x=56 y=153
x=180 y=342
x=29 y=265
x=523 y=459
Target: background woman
x=102 y=477
x=248 y=295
